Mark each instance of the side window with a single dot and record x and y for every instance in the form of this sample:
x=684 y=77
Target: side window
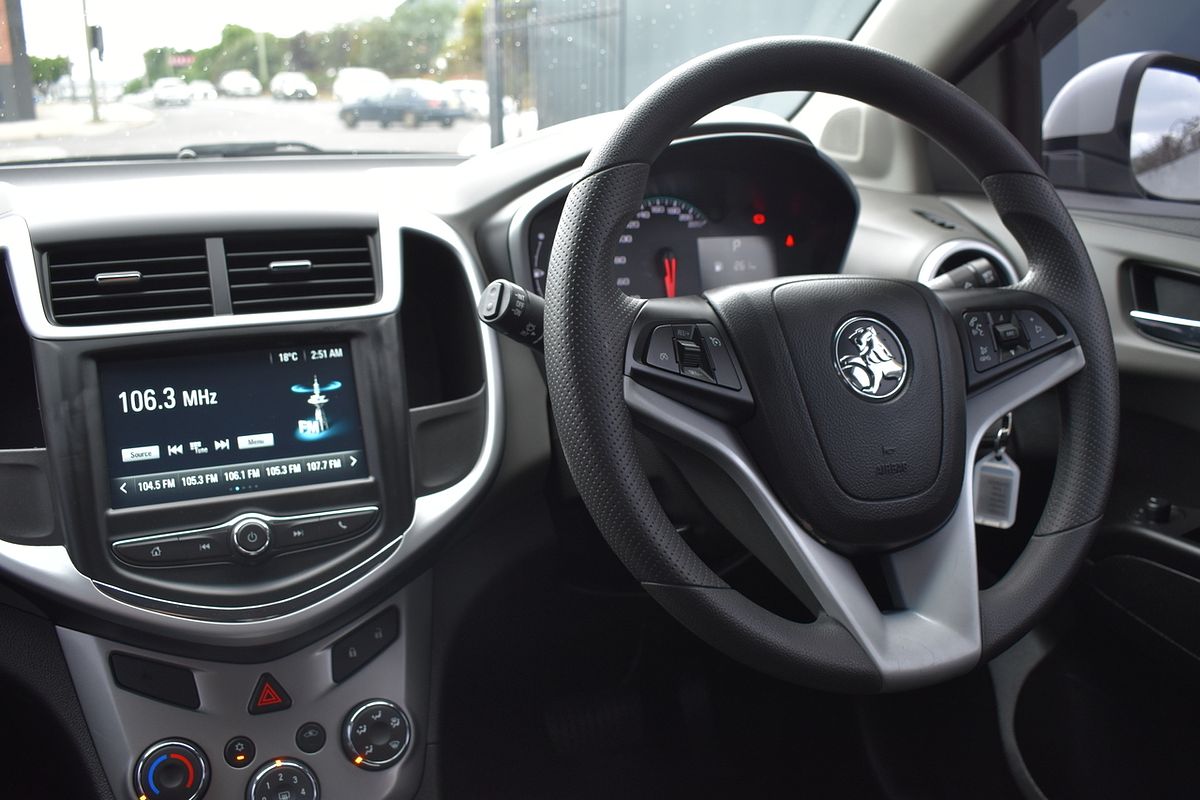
x=1076 y=34
x=1120 y=97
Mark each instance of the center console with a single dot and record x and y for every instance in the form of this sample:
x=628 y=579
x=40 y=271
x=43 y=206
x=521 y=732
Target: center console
x=223 y=478
x=240 y=498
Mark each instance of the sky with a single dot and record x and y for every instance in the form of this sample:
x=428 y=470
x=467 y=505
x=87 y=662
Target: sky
x=131 y=27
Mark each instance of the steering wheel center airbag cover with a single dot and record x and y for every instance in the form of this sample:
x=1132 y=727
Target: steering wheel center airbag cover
x=864 y=448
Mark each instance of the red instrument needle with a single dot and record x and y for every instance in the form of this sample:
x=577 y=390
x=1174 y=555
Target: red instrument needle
x=670 y=265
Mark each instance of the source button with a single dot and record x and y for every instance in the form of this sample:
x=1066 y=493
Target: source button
x=147 y=453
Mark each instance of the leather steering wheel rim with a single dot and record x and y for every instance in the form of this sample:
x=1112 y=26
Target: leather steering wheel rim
x=588 y=323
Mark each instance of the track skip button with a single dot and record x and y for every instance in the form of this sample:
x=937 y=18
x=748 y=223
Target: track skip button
x=328 y=528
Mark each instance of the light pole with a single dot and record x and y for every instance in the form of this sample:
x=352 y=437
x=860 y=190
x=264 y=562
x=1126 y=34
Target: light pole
x=87 y=36
x=260 y=39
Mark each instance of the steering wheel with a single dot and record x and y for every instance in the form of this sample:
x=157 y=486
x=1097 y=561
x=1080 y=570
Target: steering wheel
x=829 y=419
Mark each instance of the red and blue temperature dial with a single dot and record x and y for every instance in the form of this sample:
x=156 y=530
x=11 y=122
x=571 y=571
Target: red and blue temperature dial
x=171 y=770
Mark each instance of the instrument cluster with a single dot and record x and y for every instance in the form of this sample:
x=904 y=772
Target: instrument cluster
x=720 y=210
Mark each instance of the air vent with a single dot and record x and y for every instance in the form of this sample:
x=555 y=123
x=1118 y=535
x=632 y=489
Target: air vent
x=966 y=264
x=128 y=280
x=297 y=271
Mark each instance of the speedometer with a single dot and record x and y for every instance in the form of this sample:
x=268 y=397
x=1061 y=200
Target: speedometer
x=655 y=253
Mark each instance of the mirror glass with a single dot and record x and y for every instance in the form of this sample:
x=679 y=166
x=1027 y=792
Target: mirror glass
x=1165 y=142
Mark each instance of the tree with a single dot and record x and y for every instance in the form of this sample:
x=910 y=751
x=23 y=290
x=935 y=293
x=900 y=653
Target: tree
x=47 y=71
x=464 y=52
x=423 y=27
x=158 y=63
x=238 y=49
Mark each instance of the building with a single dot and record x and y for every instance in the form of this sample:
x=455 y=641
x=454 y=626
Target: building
x=16 y=78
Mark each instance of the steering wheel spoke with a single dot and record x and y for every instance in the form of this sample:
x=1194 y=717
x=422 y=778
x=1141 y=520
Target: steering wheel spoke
x=936 y=632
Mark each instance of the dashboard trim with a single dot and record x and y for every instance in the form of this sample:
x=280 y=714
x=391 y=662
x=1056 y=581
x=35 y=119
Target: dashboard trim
x=50 y=568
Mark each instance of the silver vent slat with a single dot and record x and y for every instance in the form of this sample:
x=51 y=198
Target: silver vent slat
x=300 y=270
x=128 y=280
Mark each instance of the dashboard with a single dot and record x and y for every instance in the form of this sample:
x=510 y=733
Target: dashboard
x=235 y=443
x=718 y=211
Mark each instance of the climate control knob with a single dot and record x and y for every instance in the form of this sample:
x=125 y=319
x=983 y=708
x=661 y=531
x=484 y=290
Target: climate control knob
x=284 y=779
x=173 y=769
x=376 y=734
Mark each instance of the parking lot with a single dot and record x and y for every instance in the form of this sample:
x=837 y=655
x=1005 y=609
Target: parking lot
x=65 y=131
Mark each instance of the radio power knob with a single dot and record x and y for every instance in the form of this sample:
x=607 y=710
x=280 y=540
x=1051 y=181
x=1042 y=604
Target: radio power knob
x=251 y=537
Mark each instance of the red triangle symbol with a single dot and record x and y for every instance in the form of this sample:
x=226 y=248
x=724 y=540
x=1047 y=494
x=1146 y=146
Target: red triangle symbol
x=268 y=696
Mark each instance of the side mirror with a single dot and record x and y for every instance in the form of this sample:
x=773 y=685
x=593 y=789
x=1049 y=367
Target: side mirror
x=1128 y=125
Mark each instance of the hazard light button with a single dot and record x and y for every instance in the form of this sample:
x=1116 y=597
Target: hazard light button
x=269 y=695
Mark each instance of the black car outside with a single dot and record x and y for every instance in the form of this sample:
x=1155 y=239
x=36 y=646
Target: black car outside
x=409 y=103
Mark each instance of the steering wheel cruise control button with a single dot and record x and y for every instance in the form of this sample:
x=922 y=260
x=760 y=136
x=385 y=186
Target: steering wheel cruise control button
x=694 y=351
x=718 y=356
x=661 y=353
x=376 y=734
x=284 y=779
x=251 y=537
x=269 y=696
x=171 y=770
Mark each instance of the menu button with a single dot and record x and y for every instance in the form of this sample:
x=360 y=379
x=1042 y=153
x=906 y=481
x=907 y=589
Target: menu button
x=255 y=440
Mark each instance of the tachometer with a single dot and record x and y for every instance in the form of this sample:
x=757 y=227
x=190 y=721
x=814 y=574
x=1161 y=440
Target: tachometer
x=655 y=253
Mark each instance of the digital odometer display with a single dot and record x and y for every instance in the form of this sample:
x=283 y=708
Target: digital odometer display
x=230 y=423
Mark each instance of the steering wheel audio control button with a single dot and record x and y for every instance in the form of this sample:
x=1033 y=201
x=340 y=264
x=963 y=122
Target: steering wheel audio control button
x=984 y=354
x=284 y=779
x=1037 y=329
x=376 y=734
x=251 y=537
x=172 y=769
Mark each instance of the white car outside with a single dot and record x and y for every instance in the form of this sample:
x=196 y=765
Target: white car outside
x=473 y=95
x=293 y=86
x=171 y=92
x=357 y=83
x=203 y=90
x=239 y=83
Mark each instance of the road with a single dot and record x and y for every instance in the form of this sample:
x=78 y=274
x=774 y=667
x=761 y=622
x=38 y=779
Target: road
x=166 y=130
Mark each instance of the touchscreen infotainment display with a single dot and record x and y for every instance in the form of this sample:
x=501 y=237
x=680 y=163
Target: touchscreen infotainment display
x=230 y=423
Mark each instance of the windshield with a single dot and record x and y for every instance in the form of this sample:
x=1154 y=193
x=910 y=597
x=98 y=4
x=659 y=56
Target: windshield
x=133 y=78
